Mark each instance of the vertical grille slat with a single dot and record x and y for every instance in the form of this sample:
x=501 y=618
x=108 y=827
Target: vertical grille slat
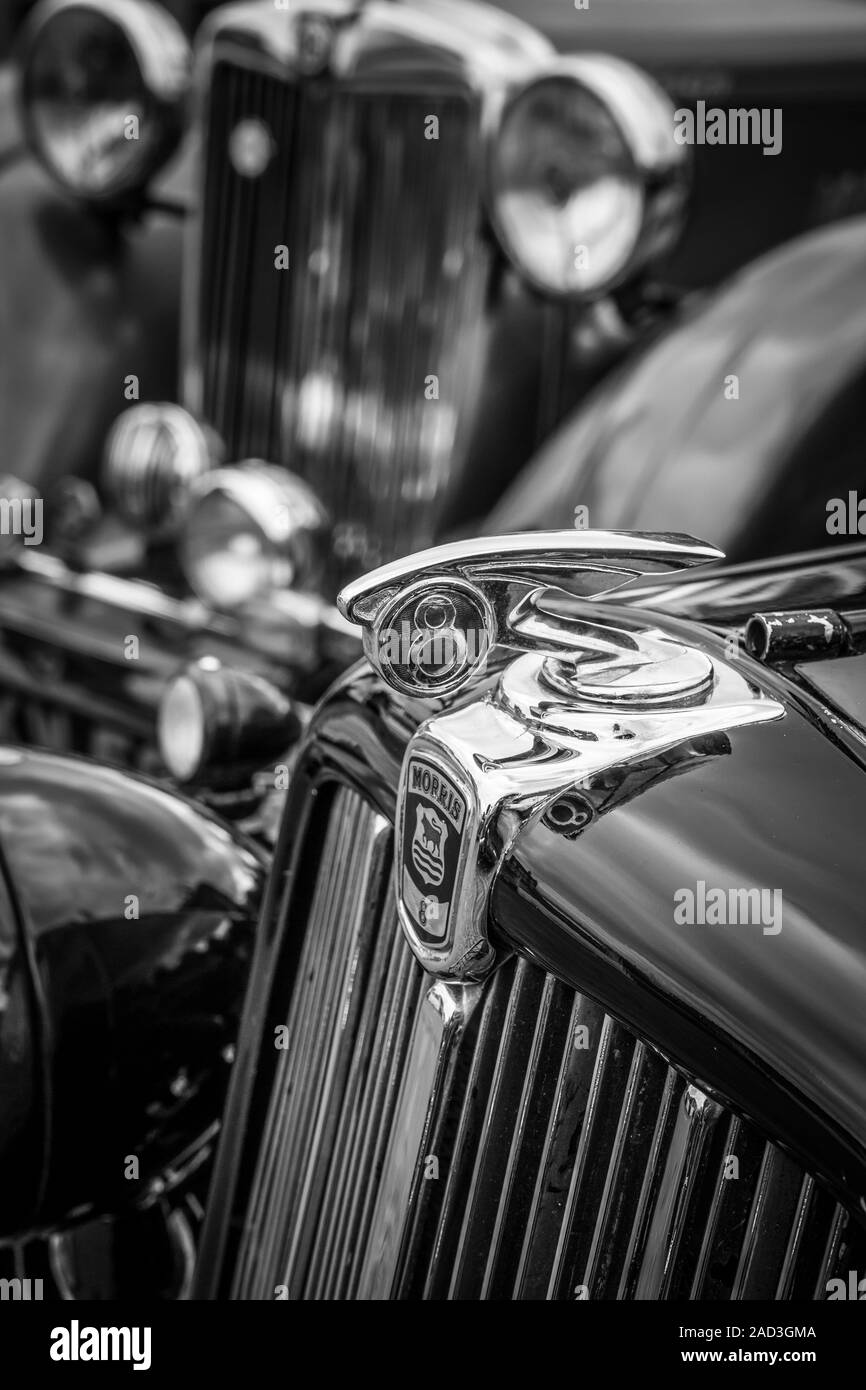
x=381 y=1114
x=617 y=1209
x=527 y=1147
x=509 y=1140
x=598 y=1134
x=316 y=1024
x=332 y=1022
x=561 y=1141
x=774 y=1209
x=809 y=1221
x=498 y=1127
x=322 y=367
x=363 y=1108
x=681 y=1198
x=469 y=1128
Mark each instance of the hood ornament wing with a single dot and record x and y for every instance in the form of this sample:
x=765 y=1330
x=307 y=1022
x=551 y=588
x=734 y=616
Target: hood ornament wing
x=593 y=690
x=430 y=621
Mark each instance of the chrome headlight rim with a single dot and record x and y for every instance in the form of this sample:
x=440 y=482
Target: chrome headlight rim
x=286 y=512
x=152 y=457
x=642 y=114
x=162 y=56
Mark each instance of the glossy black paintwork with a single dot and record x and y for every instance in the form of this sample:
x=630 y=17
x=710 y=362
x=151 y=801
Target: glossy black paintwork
x=661 y=446
x=22 y=1119
x=776 y=1024
x=833 y=576
x=134 y=1013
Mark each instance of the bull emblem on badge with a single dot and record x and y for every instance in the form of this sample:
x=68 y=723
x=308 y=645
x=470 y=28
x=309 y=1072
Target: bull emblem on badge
x=428 y=845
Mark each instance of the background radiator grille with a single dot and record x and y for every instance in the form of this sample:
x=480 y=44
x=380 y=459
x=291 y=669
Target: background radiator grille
x=572 y=1160
x=329 y=366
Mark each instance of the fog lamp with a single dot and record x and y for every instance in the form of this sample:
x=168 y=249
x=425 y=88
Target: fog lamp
x=221 y=723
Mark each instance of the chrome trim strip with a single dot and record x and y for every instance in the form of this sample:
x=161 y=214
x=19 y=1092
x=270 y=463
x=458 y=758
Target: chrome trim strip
x=299 y=1120
x=379 y=1052
x=439 y=1024
x=493 y=1006
x=527 y=1149
x=696 y=1119
x=486 y=1190
x=770 y=1219
x=545 y=1220
x=613 y=1062
x=797 y=1239
x=835 y=1241
x=267 y=624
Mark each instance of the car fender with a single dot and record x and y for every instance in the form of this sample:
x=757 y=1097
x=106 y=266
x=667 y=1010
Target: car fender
x=742 y=421
x=122 y=981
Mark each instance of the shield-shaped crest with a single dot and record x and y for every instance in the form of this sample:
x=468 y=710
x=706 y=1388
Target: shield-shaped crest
x=428 y=845
x=432 y=820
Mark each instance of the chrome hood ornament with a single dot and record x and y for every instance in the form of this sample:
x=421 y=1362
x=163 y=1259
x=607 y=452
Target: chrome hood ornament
x=431 y=621
x=592 y=690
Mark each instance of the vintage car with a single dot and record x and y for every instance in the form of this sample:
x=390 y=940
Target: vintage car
x=374 y=330
x=558 y=979
x=512 y=1031
x=516 y=1069
x=127 y=915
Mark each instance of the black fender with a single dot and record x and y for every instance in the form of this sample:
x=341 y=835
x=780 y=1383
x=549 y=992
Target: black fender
x=126 y=921
x=740 y=422
x=86 y=300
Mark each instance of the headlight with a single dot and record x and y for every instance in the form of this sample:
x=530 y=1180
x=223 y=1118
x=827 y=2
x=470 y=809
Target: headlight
x=103 y=88
x=250 y=530
x=587 y=181
x=181 y=728
x=221 y=723
x=153 y=455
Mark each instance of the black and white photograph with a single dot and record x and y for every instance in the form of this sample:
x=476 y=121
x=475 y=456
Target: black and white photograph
x=432 y=669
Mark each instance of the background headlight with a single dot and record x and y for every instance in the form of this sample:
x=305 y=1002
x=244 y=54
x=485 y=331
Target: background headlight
x=250 y=530
x=181 y=728
x=587 y=181
x=153 y=455
x=103 y=87
x=219 y=723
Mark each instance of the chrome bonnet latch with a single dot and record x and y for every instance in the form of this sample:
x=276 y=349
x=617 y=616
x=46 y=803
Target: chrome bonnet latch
x=583 y=696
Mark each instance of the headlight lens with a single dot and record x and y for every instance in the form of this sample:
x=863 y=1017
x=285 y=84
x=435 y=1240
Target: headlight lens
x=225 y=555
x=587 y=181
x=181 y=728
x=250 y=530
x=103 y=87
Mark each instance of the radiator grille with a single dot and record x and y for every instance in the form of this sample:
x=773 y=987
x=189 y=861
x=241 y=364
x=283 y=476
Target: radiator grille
x=571 y=1160
x=355 y=365
x=335 y=1082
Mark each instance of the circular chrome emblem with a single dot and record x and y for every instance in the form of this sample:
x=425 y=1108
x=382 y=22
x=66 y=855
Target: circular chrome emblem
x=432 y=636
x=251 y=147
